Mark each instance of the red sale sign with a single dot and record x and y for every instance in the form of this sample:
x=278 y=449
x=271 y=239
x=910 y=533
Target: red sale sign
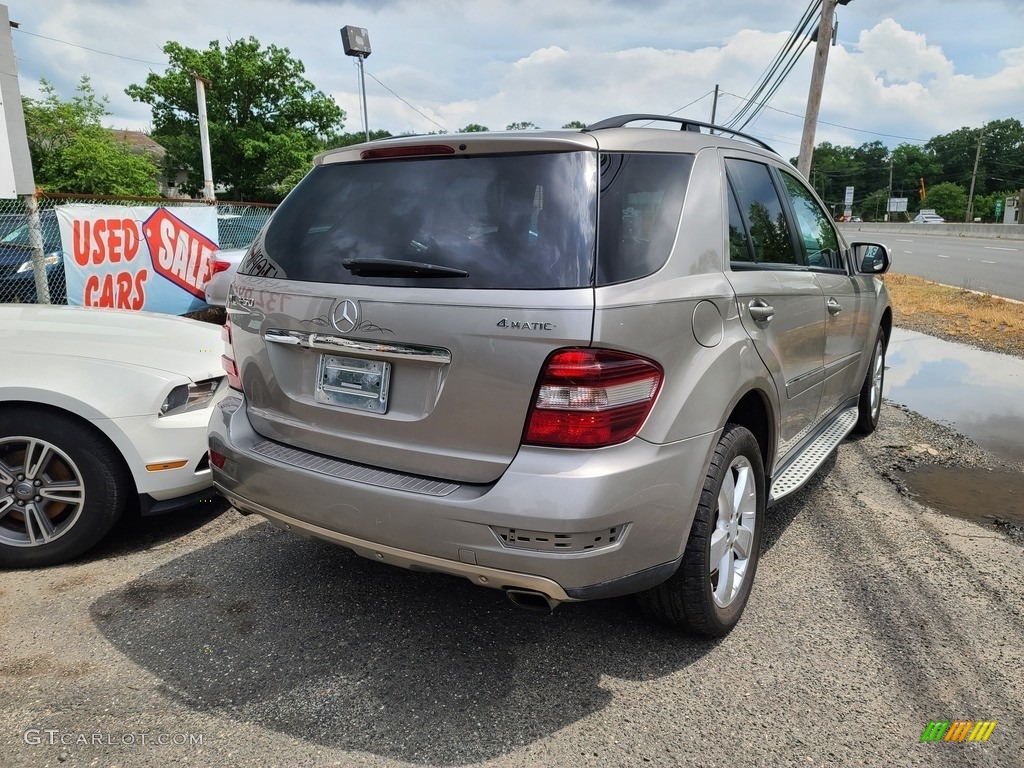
x=179 y=252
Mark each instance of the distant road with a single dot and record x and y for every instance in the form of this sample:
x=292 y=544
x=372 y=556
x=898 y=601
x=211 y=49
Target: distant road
x=992 y=266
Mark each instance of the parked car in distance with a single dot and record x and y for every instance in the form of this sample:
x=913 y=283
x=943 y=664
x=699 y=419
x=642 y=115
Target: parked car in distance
x=928 y=216
x=236 y=234
x=224 y=264
x=519 y=358
x=99 y=409
x=17 y=278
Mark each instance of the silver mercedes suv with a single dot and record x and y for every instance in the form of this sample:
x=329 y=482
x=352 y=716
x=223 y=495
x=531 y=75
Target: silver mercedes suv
x=568 y=365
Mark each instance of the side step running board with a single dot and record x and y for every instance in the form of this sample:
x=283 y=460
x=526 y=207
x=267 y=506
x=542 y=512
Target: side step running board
x=813 y=455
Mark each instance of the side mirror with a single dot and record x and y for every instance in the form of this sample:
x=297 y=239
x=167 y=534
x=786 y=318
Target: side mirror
x=871 y=258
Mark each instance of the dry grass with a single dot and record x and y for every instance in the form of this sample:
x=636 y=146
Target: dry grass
x=957 y=314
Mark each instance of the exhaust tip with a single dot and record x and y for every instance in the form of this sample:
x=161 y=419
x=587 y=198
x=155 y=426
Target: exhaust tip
x=529 y=600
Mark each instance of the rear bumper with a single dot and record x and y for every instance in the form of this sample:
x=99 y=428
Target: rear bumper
x=644 y=494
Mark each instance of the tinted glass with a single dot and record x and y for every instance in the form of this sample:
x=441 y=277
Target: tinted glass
x=739 y=243
x=641 y=201
x=815 y=227
x=762 y=212
x=47 y=226
x=510 y=221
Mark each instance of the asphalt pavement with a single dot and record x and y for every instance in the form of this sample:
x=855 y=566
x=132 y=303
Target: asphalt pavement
x=217 y=640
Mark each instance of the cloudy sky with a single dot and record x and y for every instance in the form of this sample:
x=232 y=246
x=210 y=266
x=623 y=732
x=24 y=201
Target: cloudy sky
x=902 y=71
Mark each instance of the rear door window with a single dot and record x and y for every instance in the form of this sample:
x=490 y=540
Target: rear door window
x=762 y=214
x=522 y=221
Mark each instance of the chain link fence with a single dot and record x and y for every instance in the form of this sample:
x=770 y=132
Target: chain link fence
x=32 y=255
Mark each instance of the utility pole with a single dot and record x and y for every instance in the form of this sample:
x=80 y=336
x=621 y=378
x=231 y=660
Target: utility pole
x=828 y=8
x=714 y=105
x=974 y=176
x=204 y=136
x=888 y=201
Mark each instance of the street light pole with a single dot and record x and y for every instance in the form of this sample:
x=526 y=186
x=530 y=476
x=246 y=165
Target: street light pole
x=356 y=42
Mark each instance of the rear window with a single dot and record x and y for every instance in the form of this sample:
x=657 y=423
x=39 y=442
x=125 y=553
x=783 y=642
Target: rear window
x=522 y=221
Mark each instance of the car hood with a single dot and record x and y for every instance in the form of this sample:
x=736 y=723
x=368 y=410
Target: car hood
x=175 y=345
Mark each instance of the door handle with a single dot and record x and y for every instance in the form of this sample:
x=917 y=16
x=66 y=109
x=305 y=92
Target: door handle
x=760 y=310
x=834 y=307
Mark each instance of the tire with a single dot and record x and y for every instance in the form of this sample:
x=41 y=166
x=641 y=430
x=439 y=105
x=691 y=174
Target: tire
x=62 y=487
x=869 y=407
x=695 y=599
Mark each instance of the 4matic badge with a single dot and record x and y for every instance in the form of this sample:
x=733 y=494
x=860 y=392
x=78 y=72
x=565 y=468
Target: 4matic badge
x=525 y=325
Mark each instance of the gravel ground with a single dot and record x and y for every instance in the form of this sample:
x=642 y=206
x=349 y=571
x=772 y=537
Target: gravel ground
x=871 y=616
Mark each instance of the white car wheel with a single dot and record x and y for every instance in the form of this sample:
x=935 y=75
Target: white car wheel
x=62 y=487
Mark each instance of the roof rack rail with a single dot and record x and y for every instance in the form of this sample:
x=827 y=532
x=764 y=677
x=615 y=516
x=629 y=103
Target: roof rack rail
x=685 y=124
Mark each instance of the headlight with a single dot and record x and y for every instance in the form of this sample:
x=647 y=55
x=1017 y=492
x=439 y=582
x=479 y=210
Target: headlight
x=189 y=397
x=48 y=259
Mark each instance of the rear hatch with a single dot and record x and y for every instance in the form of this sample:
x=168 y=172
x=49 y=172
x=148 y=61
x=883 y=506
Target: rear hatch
x=402 y=302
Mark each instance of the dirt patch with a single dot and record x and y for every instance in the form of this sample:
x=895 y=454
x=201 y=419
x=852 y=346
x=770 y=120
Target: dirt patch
x=957 y=314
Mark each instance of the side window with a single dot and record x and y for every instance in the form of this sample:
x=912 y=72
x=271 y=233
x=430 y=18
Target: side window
x=640 y=205
x=816 y=231
x=762 y=212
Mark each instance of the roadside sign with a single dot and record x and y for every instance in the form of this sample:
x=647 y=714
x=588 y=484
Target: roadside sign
x=898 y=204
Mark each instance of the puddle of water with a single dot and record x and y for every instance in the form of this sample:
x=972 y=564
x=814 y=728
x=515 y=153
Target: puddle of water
x=980 y=394
x=982 y=495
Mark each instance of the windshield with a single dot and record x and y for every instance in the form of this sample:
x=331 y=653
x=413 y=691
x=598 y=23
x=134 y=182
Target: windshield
x=522 y=221
x=20 y=236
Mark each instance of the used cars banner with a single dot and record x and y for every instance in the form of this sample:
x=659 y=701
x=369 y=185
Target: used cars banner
x=137 y=257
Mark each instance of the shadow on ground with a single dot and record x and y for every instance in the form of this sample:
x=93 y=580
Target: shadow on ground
x=305 y=638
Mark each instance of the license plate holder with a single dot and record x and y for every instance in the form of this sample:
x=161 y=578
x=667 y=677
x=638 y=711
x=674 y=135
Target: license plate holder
x=358 y=383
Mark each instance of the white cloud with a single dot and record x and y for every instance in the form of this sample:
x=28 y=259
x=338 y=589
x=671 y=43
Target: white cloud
x=925 y=70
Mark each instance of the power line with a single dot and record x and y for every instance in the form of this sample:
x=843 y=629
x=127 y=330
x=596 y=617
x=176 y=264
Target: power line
x=837 y=125
x=770 y=79
x=410 y=106
x=93 y=50
x=699 y=98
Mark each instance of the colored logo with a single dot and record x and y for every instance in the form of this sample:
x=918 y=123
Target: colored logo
x=958 y=730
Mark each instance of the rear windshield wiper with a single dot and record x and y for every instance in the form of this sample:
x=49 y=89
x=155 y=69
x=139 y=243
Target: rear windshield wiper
x=399 y=268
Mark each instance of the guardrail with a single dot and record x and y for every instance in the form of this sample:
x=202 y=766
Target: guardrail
x=994 y=231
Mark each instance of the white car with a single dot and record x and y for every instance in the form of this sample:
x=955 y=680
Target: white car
x=99 y=409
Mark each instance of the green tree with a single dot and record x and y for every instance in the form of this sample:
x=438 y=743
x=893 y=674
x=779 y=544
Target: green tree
x=473 y=128
x=911 y=163
x=333 y=141
x=72 y=152
x=526 y=126
x=948 y=200
x=575 y=124
x=266 y=119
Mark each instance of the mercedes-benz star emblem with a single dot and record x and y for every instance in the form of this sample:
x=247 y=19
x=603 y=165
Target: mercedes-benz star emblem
x=345 y=316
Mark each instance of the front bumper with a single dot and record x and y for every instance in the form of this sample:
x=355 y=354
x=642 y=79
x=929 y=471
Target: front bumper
x=646 y=494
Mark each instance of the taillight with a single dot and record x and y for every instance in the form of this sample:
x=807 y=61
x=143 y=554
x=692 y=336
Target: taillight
x=220 y=266
x=228 y=358
x=590 y=398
